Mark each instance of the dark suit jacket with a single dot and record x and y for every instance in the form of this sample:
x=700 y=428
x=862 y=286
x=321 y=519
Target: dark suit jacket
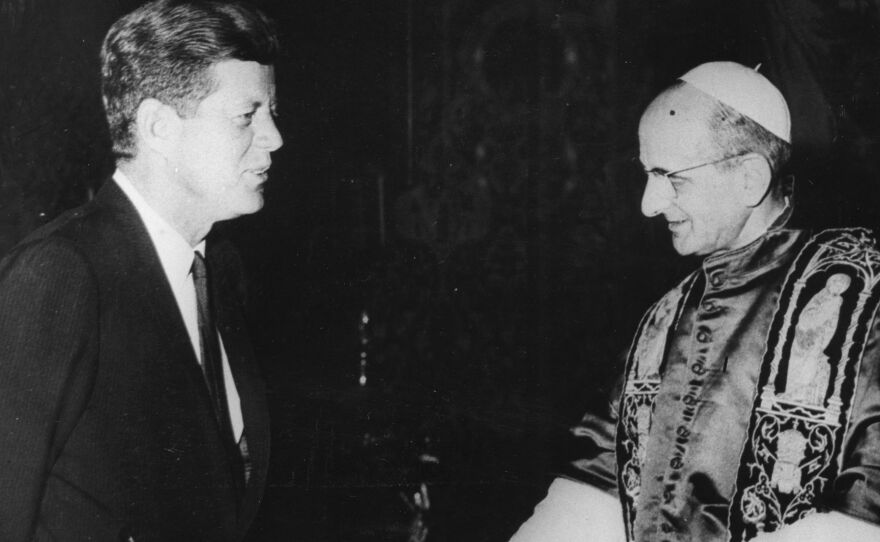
x=106 y=430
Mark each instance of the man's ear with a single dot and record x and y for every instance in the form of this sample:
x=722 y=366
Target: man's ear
x=158 y=126
x=755 y=178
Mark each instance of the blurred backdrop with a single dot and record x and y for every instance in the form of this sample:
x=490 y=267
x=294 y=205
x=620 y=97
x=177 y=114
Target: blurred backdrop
x=451 y=259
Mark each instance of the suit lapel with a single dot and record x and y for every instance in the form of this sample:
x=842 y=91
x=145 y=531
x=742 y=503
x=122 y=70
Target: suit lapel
x=139 y=259
x=150 y=290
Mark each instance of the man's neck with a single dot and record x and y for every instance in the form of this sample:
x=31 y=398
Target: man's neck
x=762 y=219
x=166 y=199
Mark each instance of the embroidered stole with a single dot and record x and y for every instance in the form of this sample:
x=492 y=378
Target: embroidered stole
x=804 y=393
x=644 y=368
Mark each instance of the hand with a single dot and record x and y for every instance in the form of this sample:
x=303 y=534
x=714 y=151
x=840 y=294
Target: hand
x=574 y=512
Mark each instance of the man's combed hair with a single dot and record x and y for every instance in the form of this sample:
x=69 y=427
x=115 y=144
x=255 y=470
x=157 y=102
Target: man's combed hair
x=165 y=49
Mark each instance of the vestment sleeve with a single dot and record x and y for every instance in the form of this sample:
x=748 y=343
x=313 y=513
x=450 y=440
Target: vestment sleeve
x=856 y=491
x=589 y=456
x=574 y=512
x=821 y=527
x=48 y=342
x=582 y=502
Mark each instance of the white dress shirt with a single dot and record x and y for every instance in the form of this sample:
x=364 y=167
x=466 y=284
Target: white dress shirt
x=176 y=256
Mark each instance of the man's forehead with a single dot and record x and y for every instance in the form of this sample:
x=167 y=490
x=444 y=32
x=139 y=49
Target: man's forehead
x=675 y=126
x=680 y=105
x=245 y=81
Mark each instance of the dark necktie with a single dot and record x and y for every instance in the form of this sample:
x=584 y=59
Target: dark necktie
x=212 y=360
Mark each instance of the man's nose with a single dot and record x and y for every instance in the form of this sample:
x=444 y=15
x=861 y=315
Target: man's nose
x=268 y=136
x=658 y=195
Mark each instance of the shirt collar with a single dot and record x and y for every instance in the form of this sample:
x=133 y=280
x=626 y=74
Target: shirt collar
x=175 y=254
x=772 y=250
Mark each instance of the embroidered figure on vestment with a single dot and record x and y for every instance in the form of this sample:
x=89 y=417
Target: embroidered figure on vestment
x=808 y=368
x=809 y=372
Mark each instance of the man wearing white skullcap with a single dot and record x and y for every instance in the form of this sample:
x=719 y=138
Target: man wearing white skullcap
x=748 y=409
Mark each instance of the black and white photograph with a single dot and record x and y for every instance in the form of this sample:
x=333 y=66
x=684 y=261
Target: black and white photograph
x=439 y=270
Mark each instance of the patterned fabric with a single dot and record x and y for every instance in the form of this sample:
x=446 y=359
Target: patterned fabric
x=642 y=385
x=693 y=381
x=808 y=378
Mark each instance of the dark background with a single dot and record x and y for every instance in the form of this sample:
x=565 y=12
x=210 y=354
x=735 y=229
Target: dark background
x=456 y=203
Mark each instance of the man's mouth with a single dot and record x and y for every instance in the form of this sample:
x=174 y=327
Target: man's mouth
x=675 y=225
x=262 y=173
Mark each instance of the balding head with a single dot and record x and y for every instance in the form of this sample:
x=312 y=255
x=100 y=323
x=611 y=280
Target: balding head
x=726 y=129
x=677 y=124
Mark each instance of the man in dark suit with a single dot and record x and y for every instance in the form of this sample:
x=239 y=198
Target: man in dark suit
x=131 y=403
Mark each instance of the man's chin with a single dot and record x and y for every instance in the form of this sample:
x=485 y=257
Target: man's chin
x=255 y=207
x=251 y=205
x=681 y=246
x=256 y=200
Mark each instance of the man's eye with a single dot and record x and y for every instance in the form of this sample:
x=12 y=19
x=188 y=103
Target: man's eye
x=246 y=118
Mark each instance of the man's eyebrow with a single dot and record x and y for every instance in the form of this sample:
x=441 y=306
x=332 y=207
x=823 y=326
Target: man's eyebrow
x=271 y=103
x=638 y=161
x=244 y=104
x=253 y=103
